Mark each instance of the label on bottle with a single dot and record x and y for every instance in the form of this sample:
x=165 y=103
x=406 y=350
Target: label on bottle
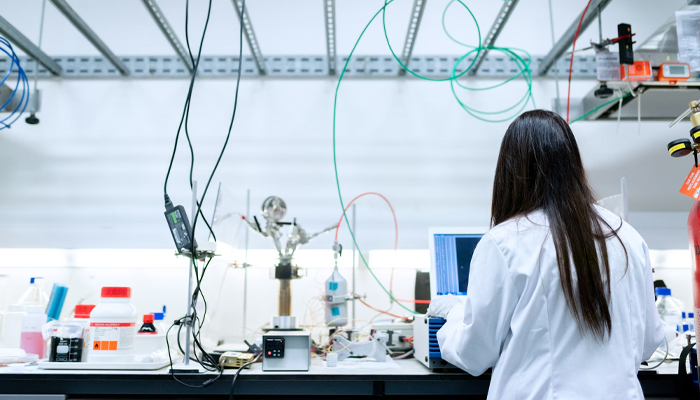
x=112 y=336
x=691 y=185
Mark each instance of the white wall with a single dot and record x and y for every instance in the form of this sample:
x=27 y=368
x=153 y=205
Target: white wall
x=90 y=174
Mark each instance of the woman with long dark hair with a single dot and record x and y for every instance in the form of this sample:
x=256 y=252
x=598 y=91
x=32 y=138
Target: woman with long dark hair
x=560 y=300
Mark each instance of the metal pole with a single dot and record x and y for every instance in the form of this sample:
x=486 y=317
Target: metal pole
x=354 y=250
x=245 y=266
x=90 y=35
x=413 y=25
x=190 y=305
x=41 y=35
x=600 y=26
x=12 y=34
x=494 y=32
x=567 y=39
x=329 y=18
x=556 y=68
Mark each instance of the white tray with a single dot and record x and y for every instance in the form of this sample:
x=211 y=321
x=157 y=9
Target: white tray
x=104 y=366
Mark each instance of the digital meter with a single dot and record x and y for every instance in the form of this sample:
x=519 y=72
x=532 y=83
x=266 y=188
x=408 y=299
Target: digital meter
x=673 y=72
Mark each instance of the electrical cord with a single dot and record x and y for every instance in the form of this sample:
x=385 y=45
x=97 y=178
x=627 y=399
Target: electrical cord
x=238 y=372
x=206 y=361
x=203 y=358
x=211 y=176
x=661 y=362
x=186 y=109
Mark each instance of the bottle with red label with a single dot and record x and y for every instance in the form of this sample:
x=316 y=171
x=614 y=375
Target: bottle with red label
x=148 y=328
x=113 y=327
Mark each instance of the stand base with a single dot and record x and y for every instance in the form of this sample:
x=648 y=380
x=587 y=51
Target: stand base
x=284 y=323
x=181 y=368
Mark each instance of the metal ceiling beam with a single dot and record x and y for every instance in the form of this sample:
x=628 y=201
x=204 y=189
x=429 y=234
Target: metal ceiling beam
x=89 y=34
x=13 y=35
x=162 y=22
x=253 y=45
x=567 y=39
x=329 y=17
x=413 y=25
x=494 y=32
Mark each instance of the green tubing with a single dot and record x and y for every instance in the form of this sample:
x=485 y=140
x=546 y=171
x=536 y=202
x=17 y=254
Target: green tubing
x=626 y=95
x=335 y=164
x=523 y=65
x=410 y=71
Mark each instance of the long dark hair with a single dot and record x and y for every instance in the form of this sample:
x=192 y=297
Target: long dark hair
x=540 y=168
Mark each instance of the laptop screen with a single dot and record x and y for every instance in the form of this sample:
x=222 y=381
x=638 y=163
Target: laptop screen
x=453 y=256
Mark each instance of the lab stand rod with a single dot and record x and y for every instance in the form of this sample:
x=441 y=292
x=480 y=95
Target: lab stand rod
x=354 y=250
x=494 y=32
x=89 y=34
x=413 y=25
x=567 y=39
x=190 y=304
x=21 y=41
x=329 y=18
x=556 y=72
x=245 y=266
x=253 y=44
x=164 y=25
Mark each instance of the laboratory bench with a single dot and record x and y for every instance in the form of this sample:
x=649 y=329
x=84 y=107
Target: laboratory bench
x=409 y=379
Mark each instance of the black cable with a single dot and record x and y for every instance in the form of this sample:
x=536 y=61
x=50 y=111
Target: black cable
x=233 y=117
x=207 y=360
x=186 y=110
x=211 y=176
x=172 y=372
x=235 y=376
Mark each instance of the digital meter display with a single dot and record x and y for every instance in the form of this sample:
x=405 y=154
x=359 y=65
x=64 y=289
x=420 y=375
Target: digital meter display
x=677 y=70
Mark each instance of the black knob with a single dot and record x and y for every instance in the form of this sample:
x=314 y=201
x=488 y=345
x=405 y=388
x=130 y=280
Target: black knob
x=32 y=119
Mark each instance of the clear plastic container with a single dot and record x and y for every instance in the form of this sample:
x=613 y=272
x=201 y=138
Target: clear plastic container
x=31 y=339
x=35 y=295
x=66 y=342
x=669 y=311
x=11 y=332
x=113 y=327
x=159 y=321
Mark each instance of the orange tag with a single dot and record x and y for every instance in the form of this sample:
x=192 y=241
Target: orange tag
x=691 y=186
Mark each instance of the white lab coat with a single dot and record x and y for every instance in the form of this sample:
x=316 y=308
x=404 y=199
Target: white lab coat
x=516 y=321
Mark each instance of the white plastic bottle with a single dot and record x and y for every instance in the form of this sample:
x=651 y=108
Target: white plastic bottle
x=35 y=295
x=31 y=339
x=113 y=327
x=336 y=308
x=11 y=332
x=669 y=311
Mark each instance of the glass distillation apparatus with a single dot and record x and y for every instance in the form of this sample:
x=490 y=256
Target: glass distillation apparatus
x=274 y=210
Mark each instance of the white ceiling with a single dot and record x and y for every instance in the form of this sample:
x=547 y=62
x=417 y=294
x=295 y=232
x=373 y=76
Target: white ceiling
x=297 y=27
